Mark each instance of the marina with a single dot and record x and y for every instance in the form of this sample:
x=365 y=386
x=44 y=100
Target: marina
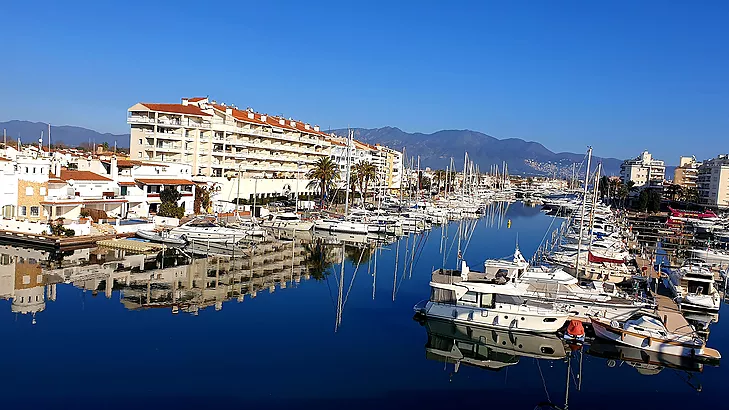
x=354 y=292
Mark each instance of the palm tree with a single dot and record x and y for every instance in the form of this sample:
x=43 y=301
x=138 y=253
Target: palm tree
x=318 y=259
x=366 y=172
x=354 y=181
x=322 y=175
x=439 y=176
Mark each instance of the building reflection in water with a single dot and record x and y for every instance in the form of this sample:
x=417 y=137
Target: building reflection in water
x=182 y=280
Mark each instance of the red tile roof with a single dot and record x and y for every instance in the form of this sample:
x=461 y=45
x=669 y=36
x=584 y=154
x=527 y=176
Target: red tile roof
x=177 y=109
x=127 y=183
x=68 y=174
x=151 y=181
x=196 y=99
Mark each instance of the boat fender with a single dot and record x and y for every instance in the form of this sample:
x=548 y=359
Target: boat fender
x=575 y=329
x=615 y=324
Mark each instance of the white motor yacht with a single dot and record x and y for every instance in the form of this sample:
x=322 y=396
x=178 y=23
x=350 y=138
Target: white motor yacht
x=593 y=298
x=288 y=221
x=341 y=225
x=477 y=298
x=201 y=229
x=650 y=333
x=693 y=288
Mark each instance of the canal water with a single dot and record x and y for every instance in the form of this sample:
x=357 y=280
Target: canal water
x=302 y=337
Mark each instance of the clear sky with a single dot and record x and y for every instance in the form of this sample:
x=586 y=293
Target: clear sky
x=621 y=76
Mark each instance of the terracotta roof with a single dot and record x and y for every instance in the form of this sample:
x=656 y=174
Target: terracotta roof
x=177 y=109
x=196 y=99
x=127 y=183
x=150 y=181
x=244 y=116
x=5 y=159
x=67 y=174
x=124 y=163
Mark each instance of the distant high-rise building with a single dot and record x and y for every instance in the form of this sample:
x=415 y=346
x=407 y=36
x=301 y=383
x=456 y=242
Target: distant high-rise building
x=687 y=172
x=644 y=171
x=713 y=181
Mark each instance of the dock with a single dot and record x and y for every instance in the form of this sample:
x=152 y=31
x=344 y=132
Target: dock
x=53 y=242
x=131 y=245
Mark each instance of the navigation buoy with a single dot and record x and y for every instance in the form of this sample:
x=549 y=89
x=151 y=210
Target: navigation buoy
x=508 y=223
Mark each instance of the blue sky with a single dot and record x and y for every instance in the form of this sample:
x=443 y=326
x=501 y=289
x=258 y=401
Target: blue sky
x=620 y=76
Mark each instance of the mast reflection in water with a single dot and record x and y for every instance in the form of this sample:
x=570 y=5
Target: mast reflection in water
x=105 y=337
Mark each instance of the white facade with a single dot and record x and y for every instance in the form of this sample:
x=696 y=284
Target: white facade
x=713 y=181
x=220 y=141
x=8 y=188
x=644 y=171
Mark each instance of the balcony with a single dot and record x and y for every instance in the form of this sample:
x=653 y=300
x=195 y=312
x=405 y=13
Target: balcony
x=139 y=119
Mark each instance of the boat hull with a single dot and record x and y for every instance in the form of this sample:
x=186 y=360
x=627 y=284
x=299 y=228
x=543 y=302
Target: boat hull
x=623 y=337
x=508 y=318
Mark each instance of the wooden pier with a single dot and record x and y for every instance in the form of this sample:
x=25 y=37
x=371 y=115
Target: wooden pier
x=53 y=242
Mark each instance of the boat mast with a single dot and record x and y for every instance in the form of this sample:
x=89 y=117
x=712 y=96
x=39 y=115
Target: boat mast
x=463 y=183
x=594 y=205
x=582 y=213
x=349 y=172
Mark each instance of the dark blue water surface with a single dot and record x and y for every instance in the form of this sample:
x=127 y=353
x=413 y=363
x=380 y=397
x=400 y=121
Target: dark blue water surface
x=286 y=349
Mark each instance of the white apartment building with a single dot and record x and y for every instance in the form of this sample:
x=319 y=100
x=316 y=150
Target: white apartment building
x=713 y=181
x=223 y=143
x=8 y=188
x=644 y=171
x=139 y=183
x=387 y=161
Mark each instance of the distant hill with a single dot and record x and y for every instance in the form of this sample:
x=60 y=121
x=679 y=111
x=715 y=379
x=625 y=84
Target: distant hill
x=29 y=132
x=436 y=149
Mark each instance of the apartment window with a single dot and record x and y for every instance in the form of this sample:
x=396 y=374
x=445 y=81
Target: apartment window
x=139 y=155
x=140 y=141
x=43 y=190
x=28 y=191
x=34 y=211
x=124 y=190
x=26 y=170
x=23 y=210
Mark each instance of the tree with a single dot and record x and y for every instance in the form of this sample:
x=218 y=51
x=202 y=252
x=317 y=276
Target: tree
x=366 y=172
x=691 y=195
x=440 y=177
x=318 y=259
x=354 y=181
x=202 y=199
x=604 y=187
x=654 y=200
x=168 y=208
x=642 y=203
x=322 y=175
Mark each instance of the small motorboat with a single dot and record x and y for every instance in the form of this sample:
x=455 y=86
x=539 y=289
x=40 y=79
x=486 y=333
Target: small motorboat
x=647 y=332
x=164 y=237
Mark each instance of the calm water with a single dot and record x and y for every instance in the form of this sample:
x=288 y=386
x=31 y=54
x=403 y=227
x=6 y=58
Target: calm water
x=294 y=346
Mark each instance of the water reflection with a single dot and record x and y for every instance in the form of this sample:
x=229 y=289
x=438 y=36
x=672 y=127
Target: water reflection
x=487 y=348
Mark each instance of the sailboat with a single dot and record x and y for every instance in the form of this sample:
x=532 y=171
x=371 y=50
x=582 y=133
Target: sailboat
x=343 y=225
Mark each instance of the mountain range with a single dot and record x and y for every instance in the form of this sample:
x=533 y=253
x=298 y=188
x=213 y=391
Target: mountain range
x=435 y=150
x=522 y=157
x=30 y=132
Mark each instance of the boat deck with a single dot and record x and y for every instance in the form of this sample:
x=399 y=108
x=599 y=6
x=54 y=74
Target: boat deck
x=672 y=316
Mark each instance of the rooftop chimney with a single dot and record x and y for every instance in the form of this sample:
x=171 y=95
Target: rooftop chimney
x=307 y=126
x=263 y=117
x=250 y=115
x=114 y=168
x=316 y=128
x=229 y=111
x=293 y=124
x=282 y=121
x=185 y=101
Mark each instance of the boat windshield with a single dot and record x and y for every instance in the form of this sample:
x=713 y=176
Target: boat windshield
x=202 y=224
